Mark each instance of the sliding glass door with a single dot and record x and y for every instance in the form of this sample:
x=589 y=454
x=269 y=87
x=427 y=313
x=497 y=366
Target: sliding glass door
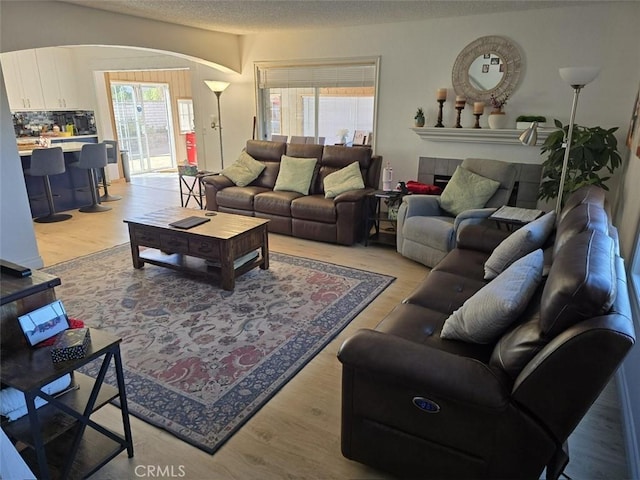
x=142 y=114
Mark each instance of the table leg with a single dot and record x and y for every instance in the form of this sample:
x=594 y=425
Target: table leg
x=227 y=272
x=135 y=249
x=265 y=249
x=38 y=443
x=124 y=408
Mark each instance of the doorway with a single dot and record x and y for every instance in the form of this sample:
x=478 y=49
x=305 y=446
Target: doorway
x=143 y=120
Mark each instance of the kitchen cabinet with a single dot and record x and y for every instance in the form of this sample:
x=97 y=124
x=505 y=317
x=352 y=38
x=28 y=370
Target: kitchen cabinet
x=22 y=80
x=42 y=79
x=58 y=79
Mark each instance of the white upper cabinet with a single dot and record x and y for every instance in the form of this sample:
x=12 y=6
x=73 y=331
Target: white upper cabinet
x=58 y=78
x=42 y=79
x=22 y=80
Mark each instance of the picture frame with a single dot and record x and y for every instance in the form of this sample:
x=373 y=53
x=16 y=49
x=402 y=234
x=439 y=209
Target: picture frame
x=44 y=322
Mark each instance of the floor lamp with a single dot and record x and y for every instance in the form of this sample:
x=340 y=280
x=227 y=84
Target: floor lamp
x=577 y=77
x=217 y=88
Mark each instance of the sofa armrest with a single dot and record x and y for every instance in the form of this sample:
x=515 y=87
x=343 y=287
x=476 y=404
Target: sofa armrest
x=427 y=369
x=217 y=181
x=353 y=195
x=473 y=216
x=422 y=205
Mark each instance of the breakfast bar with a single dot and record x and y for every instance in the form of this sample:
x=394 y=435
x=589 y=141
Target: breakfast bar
x=70 y=189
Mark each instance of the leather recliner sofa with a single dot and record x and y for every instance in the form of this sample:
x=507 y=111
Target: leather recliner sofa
x=336 y=220
x=421 y=406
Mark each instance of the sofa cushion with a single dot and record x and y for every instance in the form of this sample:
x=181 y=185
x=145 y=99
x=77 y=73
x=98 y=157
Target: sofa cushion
x=581 y=282
x=487 y=314
x=523 y=241
x=583 y=217
x=244 y=170
x=295 y=174
x=315 y=208
x=275 y=203
x=467 y=190
x=238 y=198
x=343 y=180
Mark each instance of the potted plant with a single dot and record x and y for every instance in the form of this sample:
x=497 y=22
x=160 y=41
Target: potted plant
x=419 y=118
x=593 y=151
x=497 y=118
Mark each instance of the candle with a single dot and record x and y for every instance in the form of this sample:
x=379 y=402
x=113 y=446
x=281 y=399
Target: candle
x=442 y=94
x=478 y=107
x=460 y=101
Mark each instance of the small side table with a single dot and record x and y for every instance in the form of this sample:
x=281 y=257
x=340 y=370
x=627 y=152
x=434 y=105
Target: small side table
x=514 y=217
x=191 y=185
x=62 y=439
x=382 y=222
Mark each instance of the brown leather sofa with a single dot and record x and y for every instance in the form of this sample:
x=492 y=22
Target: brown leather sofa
x=420 y=406
x=335 y=220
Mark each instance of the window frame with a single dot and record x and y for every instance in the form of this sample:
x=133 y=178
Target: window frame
x=374 y=61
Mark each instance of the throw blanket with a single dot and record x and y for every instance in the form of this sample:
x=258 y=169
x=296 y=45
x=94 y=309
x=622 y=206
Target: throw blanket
x=13 y=404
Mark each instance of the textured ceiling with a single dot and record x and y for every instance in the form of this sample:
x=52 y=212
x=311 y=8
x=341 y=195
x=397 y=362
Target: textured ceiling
x=245 y=17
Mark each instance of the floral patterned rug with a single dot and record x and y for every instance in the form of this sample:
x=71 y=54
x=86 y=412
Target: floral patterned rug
x=198 y=360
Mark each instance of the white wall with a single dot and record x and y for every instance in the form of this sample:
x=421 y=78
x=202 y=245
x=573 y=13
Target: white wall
x=17 y=237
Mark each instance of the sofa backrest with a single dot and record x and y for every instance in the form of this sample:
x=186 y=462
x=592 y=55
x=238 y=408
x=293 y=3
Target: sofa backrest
x=503 y=172
x=269 y=153
x=577 y=329
x=335 y=157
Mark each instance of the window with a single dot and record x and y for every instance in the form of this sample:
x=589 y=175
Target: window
x=185 y=115
x=326 y=101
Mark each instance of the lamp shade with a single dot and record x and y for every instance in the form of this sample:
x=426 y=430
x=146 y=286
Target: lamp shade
x=216 y=86
x=530 y=136
x=579 y=75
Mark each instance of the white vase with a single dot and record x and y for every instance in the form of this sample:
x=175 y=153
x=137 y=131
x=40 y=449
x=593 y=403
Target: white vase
x=497 y=120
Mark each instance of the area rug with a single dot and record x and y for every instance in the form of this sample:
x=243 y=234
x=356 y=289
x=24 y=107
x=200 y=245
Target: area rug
x=200 y=361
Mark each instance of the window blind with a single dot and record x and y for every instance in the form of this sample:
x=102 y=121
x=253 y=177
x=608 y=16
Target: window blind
x=302 y=76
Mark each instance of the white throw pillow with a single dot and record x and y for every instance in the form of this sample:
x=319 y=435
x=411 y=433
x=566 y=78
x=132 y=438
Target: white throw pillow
x=492 y=309
x=295 y=174
x=467 y=190
x=244 y=170
x=526 y=239
x=343 y=180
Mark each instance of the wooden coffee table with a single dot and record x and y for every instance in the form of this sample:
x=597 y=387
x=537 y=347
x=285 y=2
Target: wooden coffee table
x=216 y=248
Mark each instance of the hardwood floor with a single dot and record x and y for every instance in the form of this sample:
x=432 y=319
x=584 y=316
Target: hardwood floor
x=297 y=433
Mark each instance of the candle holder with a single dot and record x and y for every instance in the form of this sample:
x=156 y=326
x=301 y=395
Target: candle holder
x=439 y=124
x=477 y=115
x=459 y=109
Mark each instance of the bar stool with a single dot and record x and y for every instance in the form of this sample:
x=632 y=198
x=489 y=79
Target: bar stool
x=93 y=156
x=45 y=162
x=112 y=157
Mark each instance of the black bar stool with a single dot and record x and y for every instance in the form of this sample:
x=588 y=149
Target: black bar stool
x=92 y=157
x=45 y=162
x=112 y=157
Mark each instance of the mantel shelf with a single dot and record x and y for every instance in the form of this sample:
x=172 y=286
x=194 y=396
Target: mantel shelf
x=504 y=136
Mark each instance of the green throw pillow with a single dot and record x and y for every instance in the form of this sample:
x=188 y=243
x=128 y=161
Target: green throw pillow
x=295 y=174
x=244 y=170
x=467 y=190
x=343 y=180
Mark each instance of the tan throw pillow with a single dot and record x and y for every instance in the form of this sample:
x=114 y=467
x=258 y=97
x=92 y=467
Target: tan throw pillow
x=343 y=180
x=244 y=170
x=295 y=174
x=467 y=190
x=526 y=239
x=492 y=309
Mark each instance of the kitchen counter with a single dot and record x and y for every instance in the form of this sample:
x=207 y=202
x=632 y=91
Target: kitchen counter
x=70 y=189
x=67 y=147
